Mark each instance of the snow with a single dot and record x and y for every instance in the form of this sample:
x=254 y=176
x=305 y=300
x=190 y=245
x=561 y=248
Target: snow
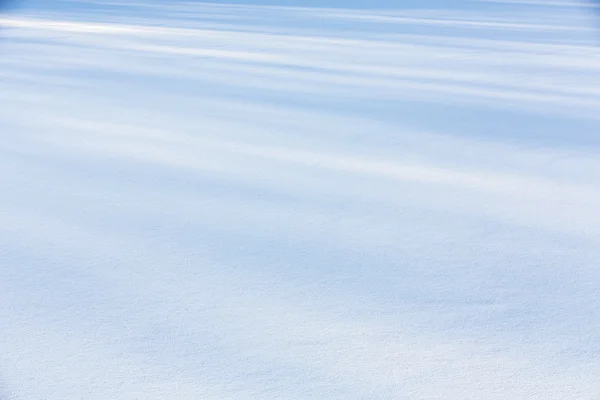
x=243 y=201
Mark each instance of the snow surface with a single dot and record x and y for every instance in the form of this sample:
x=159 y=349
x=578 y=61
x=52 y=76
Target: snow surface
x=211 y=201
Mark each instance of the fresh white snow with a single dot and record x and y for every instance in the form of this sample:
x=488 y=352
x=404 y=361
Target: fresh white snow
x=213 y=201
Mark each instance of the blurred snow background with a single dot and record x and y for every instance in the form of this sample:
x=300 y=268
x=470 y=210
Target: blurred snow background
x=266 y=201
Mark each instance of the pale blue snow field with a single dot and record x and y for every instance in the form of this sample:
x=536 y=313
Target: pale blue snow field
x=246 y=201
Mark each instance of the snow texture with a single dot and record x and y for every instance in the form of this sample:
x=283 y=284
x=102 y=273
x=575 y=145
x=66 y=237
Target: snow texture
x=237 y=201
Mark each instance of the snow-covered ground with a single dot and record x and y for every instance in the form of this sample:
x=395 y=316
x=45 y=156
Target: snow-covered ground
x=204 y=201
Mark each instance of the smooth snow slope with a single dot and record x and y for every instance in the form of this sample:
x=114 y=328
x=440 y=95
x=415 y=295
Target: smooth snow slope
x=204 y=201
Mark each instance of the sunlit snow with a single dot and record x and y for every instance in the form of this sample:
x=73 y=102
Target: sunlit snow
x=245 y=201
